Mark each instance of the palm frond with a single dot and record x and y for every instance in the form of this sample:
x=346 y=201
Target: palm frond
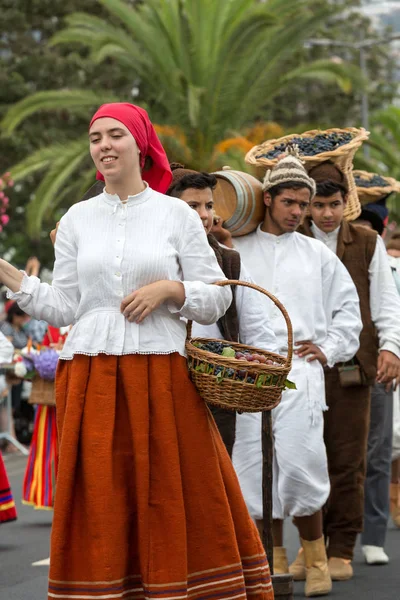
x=61 y=171
x=345 y=76
x=78 y=101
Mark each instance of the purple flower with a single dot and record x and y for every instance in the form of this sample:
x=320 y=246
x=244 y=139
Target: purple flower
x=46 y=364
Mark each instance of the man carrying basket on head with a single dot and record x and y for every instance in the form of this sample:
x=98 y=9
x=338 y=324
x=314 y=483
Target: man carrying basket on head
x=352 y=414
x=323 y=305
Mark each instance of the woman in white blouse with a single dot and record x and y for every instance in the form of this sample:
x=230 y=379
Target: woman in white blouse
x=147 y=502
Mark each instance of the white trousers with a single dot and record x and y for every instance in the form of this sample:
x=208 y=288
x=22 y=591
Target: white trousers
x=396 y=425
x=300 y=469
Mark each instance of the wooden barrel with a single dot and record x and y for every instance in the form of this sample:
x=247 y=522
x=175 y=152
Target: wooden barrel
x=238 y=200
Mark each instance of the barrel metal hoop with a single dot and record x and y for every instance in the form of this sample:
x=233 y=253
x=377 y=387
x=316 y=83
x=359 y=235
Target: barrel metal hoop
x=240 y=194
x=253 y=208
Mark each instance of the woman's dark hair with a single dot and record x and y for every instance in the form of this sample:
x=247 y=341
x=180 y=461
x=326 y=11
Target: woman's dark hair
x=14 y=311
x=197 y=181
x=326 y=189
x=148 y=163
x=290 y=185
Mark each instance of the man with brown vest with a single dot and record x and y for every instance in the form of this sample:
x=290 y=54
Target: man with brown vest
x=348 y=387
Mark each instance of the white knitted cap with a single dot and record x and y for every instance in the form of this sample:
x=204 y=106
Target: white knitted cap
x=288 y=170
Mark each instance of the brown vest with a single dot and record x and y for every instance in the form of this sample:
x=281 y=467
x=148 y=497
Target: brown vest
x=355 y=248
x=229 y=261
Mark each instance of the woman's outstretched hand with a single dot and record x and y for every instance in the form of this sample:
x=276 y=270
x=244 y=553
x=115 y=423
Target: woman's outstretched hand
x=139 y=304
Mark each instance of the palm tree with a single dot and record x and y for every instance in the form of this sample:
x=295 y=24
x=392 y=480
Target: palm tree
x=204 y=69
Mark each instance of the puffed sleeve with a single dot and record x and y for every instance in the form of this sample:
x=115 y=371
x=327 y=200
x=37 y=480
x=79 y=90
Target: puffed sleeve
x=204 y=303
x=57 y=303
x=342 y=307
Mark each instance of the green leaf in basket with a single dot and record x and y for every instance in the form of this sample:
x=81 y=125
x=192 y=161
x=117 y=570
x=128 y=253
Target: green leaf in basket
x=228 y=352
x=260 y=381
x=220 y=377
x=290 y=385
x=268 y=380
x=200 y=368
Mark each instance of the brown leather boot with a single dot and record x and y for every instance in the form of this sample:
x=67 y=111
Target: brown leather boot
x=395 y=503
x=298 y=567
x=340 y=568
x=318 y=579
x=281 y=566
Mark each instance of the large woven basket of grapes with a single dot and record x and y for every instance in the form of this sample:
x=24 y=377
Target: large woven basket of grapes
x=372 y=187
x=239 y=377
x=315 y=147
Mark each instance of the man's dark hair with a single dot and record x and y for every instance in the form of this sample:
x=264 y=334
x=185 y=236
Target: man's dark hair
x=14 y=311
x=197 y=181
x=278 y=189
x=326 y=189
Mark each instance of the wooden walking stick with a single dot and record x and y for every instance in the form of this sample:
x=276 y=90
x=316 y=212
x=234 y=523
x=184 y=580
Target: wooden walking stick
x=283 y=584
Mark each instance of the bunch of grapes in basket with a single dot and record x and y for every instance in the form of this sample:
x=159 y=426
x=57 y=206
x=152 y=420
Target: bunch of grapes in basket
x=242 y=374
x=375 y=181
x=227 y=350
x=311 y=146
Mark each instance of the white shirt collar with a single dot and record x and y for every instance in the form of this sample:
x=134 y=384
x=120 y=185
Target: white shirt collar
x=114 y=199
x=330 y=237
x=270 y=236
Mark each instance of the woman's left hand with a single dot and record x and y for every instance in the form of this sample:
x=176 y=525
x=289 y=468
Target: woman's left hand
x=139 y=304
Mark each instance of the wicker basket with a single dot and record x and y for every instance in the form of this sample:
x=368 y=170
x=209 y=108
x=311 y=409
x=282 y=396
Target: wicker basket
x=342 y=157
x=234 y=393
x=42 y=392
x=373 y=194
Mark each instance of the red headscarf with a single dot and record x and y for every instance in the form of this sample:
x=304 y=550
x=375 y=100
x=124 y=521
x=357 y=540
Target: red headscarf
x=136 y=119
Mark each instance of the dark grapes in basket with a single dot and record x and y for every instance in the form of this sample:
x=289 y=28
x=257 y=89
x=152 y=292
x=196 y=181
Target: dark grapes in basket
x=227 y=351
x=242 y=374
x=311 y=146
x=375 y=181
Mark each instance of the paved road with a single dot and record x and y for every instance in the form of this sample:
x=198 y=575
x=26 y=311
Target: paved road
x=27 y=541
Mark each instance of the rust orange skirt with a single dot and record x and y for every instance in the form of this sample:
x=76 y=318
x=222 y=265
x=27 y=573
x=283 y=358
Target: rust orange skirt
x=147 y=503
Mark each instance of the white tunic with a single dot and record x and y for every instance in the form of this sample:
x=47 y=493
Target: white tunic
x=323 y=305
x=384 y=299
x=105 y=249
x=313 y=285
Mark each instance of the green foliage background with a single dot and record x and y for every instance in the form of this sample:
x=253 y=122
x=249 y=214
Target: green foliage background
x=303 y=88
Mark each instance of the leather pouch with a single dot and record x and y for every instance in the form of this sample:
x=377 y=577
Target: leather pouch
x=351 y=375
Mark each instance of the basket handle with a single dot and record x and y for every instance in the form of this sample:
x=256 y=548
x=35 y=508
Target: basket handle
x=271 y=297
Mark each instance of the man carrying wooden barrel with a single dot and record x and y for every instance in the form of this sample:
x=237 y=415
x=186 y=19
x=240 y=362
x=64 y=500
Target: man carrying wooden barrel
x=348 y=387
x=323 y=305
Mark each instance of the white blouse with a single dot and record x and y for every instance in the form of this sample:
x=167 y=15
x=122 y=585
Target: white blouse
x=312 y=284
x=105 y=249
